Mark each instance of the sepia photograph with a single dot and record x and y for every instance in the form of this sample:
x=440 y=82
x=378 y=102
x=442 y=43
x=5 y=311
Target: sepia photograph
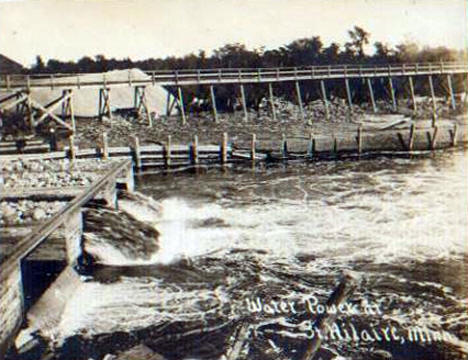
x=233 y=180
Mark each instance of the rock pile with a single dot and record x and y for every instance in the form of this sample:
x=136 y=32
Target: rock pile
x=27 y=212
x=17 y=174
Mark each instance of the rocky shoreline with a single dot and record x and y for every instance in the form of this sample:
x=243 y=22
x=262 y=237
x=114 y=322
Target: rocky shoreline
x=122 y=128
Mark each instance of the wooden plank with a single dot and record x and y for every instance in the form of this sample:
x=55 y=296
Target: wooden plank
x=244 y=103
x=181 y=105
x=299 y=100
x=413 y=97
x=272 y=103
x=213 y=104
x=371 y=93
x=324 y=99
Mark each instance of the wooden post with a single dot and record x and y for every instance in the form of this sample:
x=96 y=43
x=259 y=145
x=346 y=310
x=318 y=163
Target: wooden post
x=213 y=103
x=411 y=137
x=252 y=148
x=454 y=135
x=223 y=149
x=451 y=94
x=311 y=146
x=392 y=93
x=194 y=153
x=359 y=139
x=136 y=152
x=244 y=103
x=284 y=147
x=181 y=105
x=71 y=111
x=324 y=99
x=413 y=97
x=324 y=322
x=71 y=146
x=371 y=93
x=299 y=100
x=348 y=95
x=434 y=138
x=272 y=103
x=104 y=104
x=434 y=106
x=167 y=148
x=105 y=146
x=30 y=113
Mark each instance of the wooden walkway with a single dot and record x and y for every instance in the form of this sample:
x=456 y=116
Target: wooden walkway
x=65 y=226
x=232 y=76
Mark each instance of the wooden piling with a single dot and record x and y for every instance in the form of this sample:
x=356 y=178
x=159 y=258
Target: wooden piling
x=451 y=94
x=311 y=146
x=348 y=95
x=105 y=146
x=324 y=99
x=299 y=100
x=434 y=138
x=104 y=104
x=411 y=137
x=371 y=93
x=413 y=97
x=359 y=139
x=136 y=152
x=167 y=151
x=71 y=146
x=272 y=103
x=244 y=103
x=392 y=93
x=324 y=322
x=223 y=149
x=194 y=152
x=252 y=147
x=454 y=135
x=181 y=105
x=434 y=106
x=30 y=113
x=284 y=146
x=213 y=104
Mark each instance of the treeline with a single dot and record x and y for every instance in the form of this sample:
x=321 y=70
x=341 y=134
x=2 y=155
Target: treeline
x=301 y=52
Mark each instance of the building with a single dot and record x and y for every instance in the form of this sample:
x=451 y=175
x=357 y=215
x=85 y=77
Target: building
x=8 y=66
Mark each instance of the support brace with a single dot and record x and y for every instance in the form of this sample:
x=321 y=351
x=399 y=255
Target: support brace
x=104 y=104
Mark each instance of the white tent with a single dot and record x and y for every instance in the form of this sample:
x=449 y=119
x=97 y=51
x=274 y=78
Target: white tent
x=86 y=100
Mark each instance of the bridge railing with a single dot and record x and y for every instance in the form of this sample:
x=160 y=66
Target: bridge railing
x=227 y=75
x=37 y=236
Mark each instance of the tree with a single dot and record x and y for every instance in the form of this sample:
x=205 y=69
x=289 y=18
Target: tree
x=359 y=39
x=39 y=66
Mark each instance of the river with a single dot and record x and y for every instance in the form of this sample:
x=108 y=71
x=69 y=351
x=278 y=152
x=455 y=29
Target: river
x=267 y=246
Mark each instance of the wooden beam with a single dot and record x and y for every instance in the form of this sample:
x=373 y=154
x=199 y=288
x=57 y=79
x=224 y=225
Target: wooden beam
x=213 y=104
x=348 y=95
x=325 y=99
x=181 y=105
x=451 y=94
x=413 y=97
x=50 y=114
x=299 y=100
x=244 y=103
x=104 y=104
x=55 y=104
x=392 y=93
x=272 y=102
x=434 y=106
x=371 y=93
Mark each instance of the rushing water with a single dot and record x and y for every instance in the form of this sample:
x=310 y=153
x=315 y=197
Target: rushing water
x=231 y=239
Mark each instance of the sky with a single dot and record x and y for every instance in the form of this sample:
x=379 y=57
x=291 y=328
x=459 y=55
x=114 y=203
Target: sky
x=140 y=29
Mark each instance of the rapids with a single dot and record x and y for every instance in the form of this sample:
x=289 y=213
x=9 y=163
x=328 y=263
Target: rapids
x=285 y=232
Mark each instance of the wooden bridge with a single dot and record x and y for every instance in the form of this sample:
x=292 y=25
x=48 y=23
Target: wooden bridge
x=20 y=86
